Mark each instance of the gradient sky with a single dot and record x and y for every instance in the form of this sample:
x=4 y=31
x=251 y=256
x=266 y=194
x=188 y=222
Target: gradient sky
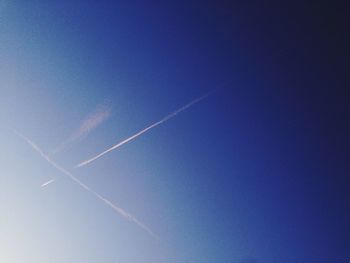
x=256 y=172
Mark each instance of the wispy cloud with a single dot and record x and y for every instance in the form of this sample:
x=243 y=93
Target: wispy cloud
x=117 y=209
x=166 y=118
x=91 y=122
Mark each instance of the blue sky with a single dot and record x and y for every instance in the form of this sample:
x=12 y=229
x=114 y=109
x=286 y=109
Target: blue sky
x=256 y=172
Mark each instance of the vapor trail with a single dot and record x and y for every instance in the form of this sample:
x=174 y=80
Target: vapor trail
x=91 y=122
x=166 y=118
x=119 y=210
x=48 y=182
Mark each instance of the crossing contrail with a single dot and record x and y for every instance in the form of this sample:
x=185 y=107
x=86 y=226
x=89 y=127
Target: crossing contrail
x=117 y=209
x=166 y=118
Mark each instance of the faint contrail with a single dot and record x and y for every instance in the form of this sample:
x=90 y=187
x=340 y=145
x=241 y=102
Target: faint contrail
x=92 y=121
x=166 y=118
x=119 y=210
x=48 y=182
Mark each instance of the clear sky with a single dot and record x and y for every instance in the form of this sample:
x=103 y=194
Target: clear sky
x=256 y=172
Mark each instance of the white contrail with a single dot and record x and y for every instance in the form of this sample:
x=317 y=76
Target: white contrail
x=91 y=122
x=48 y=182
x=119 y=210
x=166 y=118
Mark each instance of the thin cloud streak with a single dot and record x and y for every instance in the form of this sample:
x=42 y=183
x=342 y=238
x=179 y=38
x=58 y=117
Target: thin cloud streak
x=117 y=209
x=166 y=118
x=91 y=122
x=48 y=182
